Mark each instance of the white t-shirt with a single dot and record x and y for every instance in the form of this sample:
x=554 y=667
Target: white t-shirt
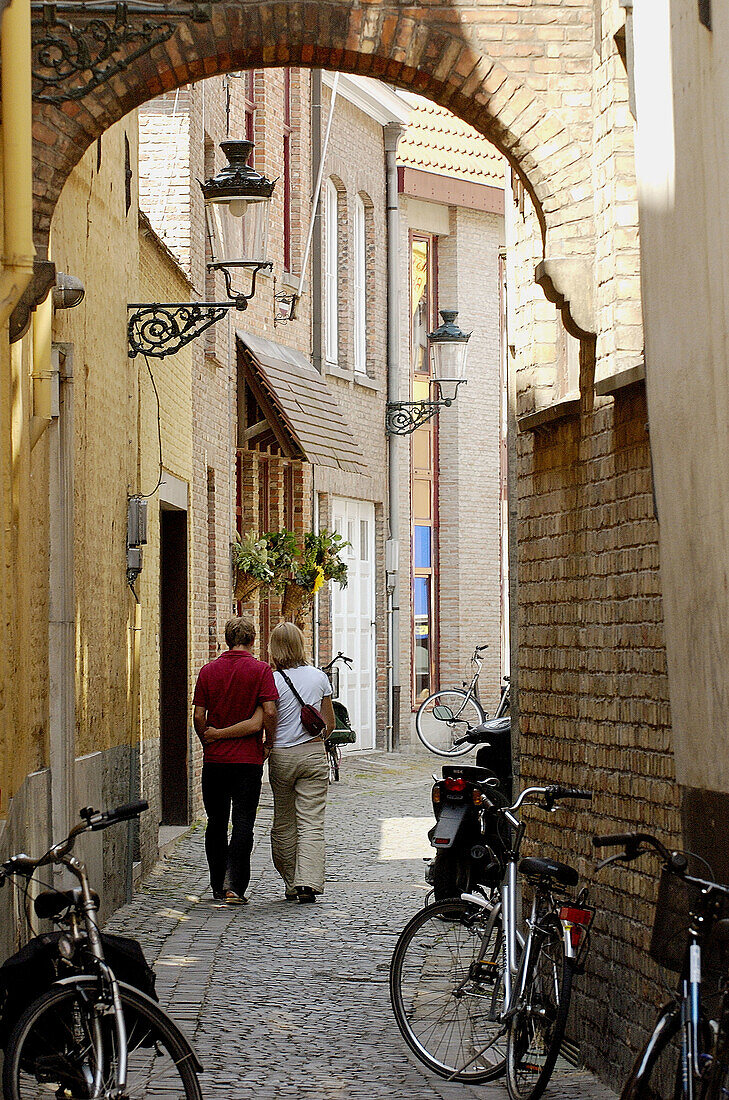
x=312 y=685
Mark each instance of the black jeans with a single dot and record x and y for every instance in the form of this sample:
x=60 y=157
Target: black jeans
x=225 y=786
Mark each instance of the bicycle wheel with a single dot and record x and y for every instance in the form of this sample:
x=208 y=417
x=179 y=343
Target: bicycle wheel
x=536 y=1028
x=334 y=757
x=439 y=733
x=447 y=992
x=63 y=1046
x=658 y=1070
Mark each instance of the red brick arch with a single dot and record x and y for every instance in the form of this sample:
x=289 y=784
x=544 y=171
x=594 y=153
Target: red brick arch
x=433 y=49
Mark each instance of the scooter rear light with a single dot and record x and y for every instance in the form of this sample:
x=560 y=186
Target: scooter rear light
x=435 y=793
x=455 y=785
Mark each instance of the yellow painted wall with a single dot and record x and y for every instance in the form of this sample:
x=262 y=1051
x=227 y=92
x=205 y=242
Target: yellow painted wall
x=94 y=237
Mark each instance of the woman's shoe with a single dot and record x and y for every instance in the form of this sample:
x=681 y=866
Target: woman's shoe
x=231 y=898
x=305 y=894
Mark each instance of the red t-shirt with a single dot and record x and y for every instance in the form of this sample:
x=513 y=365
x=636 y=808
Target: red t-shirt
x=230 y=688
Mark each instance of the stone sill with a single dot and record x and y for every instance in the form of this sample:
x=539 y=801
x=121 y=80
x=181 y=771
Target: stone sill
x=563 y=409
x=339 y=372
x=367 y=383
x=619 y=379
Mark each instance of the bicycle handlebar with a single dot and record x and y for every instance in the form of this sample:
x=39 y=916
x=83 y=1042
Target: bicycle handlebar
x=92 y=821
x=631 y=845
x=551 y=794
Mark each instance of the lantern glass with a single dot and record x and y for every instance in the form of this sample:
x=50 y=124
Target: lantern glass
x=449 y=347
x=238 y=232
x=448 y=388
x=449 y=360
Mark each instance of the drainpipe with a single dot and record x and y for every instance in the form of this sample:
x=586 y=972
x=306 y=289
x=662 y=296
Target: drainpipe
x=392 y=132
x=45 y=381
x=316 y=272
x=17 y=123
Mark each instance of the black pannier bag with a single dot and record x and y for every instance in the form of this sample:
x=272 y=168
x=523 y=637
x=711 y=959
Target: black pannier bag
x=30 y=972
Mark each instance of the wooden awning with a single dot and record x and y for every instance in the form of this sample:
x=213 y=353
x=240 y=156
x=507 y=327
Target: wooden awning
x=300 y=409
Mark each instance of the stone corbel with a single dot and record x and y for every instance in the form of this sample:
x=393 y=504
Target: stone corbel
x=37 y=290
x=569 y=283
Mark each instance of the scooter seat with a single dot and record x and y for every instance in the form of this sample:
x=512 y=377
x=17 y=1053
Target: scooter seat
x=470 y=772
x=492 y=727
x=538 y=868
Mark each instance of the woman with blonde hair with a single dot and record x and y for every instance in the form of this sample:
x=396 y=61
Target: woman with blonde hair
x=297 y=767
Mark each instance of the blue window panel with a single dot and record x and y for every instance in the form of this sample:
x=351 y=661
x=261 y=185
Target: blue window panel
x=421 y=547
x=421 y=600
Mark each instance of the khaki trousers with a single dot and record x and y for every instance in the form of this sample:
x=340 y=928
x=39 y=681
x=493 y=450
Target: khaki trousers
x=299 y=778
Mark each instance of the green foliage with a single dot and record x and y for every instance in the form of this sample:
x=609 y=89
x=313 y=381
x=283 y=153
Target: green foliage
x=324 y=550
x=283 y=553
x=250 y=555
x=278 y=557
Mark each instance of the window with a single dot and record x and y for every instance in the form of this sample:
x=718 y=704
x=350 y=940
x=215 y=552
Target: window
x=250 y=108
x=287 y=170
x=331 y=273
x=360 y=286
x=423 y=467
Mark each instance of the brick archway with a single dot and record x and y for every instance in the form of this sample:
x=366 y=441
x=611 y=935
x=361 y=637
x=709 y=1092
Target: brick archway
x=496 y=66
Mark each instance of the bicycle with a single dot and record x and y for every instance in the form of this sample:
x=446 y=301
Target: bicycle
x=473 y=997
x=686 y=1056
x=445 y=716
x=342 y=734
x=89 y=1036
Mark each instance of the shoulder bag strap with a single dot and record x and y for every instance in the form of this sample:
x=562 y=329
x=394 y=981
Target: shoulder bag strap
x=301 y=701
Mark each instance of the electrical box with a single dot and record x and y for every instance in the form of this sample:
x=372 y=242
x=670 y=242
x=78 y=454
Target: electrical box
x=137 y=522
x=134 y=560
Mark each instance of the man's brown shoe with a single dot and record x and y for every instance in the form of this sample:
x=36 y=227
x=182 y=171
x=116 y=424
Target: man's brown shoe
x=231 y=898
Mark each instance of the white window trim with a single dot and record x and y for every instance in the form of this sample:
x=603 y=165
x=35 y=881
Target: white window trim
x=331 y=273
x=360 y=286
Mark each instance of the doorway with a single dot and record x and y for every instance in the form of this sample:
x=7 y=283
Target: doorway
x=353 y=616
x=173 y=676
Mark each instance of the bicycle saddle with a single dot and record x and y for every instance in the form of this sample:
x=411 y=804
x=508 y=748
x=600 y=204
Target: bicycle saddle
x=540 y=867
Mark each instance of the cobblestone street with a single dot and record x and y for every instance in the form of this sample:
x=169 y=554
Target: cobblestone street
x=284 y=1000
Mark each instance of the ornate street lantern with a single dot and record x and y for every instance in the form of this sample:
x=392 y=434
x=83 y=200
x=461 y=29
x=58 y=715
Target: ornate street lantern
x=449 y=347
x=237 y=203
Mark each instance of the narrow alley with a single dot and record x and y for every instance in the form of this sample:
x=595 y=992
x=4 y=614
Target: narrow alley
x=283 y=1000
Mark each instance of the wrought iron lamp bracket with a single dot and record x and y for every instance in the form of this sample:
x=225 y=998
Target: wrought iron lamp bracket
x=404 y=417
x=159 y=330
x=78 y=46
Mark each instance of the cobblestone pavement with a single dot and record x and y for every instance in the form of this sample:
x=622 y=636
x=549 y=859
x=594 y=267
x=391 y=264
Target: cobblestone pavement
x=284 y=1000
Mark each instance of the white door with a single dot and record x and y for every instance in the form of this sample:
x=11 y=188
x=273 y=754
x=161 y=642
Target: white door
x=353 y=616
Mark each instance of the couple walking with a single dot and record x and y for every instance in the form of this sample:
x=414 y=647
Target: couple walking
x=244 y=713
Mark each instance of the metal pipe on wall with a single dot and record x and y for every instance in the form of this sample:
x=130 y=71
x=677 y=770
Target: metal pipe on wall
x=392 y=133
x=316 y=234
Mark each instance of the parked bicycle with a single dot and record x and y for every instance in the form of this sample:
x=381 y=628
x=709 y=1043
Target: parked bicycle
x=686 y=1056
x=446 y=716
x=472 y=995
x=76 y=1030
x=342 y=734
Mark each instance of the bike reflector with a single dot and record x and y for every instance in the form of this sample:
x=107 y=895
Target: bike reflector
x=576 y=921
x=455 y=785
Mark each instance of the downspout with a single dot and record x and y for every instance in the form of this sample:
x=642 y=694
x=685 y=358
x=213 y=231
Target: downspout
x=17 y=148
x=392 y=133
x=44 y=379
x=316 y=242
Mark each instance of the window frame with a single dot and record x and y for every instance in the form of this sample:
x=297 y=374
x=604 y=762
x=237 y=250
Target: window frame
x=331 y=273
x=359 y=269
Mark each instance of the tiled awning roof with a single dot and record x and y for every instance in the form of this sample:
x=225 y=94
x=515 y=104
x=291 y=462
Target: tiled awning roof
x=437 y=141
x=300 y=398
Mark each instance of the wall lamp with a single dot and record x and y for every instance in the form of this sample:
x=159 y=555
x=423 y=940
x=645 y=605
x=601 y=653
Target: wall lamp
x=237 y=205
x=448 y=347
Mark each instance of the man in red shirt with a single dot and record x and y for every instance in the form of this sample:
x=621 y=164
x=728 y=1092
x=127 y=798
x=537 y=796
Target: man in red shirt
x=235 y=703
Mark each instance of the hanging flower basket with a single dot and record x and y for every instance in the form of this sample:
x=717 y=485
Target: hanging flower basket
x=295 y=598
x=245 y=586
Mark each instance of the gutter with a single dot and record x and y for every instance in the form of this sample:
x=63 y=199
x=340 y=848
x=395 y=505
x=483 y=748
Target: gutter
x=17 y=151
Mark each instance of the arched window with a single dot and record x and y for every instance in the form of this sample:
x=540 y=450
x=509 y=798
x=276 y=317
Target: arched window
x=331 y=273
x=360 y=286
